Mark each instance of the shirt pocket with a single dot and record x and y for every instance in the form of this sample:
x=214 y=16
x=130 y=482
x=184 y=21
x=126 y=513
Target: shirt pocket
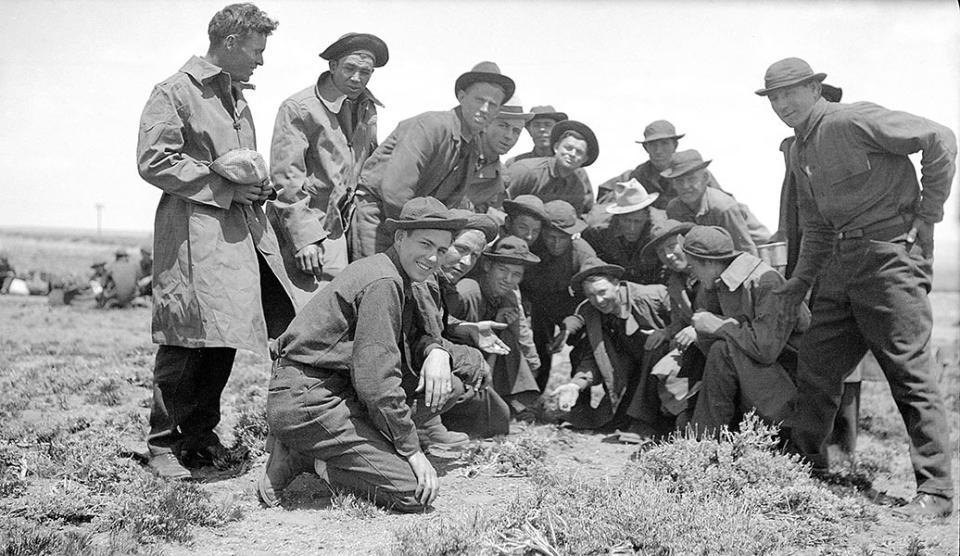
x=843 y=166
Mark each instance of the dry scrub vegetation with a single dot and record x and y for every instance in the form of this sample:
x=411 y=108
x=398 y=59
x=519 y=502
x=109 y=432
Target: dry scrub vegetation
x=75 y=387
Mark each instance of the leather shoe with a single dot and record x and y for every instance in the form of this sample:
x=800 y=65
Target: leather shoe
x=434 y=435
x=281 y=469
x=926 y=505
x=166 y=466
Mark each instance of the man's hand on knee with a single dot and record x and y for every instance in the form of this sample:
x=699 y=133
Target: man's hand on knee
x=428 y=485
x=436 y=380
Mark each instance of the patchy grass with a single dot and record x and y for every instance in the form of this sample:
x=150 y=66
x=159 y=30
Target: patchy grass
x=511 y=456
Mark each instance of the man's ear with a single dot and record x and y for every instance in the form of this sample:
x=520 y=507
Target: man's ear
x=460 y=94
x=230 y=41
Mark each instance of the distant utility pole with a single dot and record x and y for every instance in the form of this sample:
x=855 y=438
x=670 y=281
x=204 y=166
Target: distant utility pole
x=99 y=217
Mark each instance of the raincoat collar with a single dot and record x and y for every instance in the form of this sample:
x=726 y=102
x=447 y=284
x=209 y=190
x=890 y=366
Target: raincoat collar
x=335 y=105
x=739 y=270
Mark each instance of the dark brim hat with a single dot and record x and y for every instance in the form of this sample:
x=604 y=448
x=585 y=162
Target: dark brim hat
x=547 y=112
x=593 y=267
x=526 y=204
x=786 y=73
x=662 y=231
x=424 y=213
x=710 y=242
x=562 y=216
x=593 y=146
x=511 y=250
x=477 y=221
x=352 y=42
x=486 y=72
x=683 y=163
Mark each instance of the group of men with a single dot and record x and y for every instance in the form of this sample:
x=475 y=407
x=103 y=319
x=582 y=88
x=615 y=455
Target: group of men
x=413 y=292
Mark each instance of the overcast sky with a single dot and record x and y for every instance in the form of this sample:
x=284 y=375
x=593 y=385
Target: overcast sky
x=74 y=77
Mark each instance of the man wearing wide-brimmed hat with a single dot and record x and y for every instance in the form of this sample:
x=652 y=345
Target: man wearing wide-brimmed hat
x=868 y=236
x=747 y=338
x=431 y=154
x=660 y=140
x=525 y=218
x=609 y=331
x=546 y=289
x=631 y=216
x=491 y=296
x=707 y=206
x=321 y=138
x=562 y=175
x=359 y=369
x=540 y=128
x=486 y=185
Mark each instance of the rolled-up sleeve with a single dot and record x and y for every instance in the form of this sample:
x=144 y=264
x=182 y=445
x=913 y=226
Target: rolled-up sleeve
x=376 y=371
x=161 y=160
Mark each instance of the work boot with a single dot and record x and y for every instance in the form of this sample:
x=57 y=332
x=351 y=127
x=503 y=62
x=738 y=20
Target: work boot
x=926 y=505
x=281 y=469
x=166 y=466
x=435 y=436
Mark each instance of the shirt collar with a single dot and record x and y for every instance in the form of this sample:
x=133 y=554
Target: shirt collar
x=391 y=253
x=202 y=70
x=336 y=104
x=739 y=270
x=816 y=114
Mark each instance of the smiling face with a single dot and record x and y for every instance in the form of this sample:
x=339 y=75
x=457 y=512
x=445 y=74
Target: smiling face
x=630 y=226
x=661 y=152
x=793 y=104
x=670 y=252
x=570 y=152
x=351 y=73
x=463 y=254
x=420 y=251
x=480 y=104
x=690 y=187
x=502 y=134
x=241 y=55
x=502 y=278
x=540 y=130
x=524 y=226
x=601 y=292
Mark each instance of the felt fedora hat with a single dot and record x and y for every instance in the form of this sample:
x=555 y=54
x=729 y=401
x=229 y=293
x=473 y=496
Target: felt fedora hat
x=511 y=250
x=513 y=110
x=660 y=230
x=788 y=72
x=548 y=112
x=709 y=242
x=630 y=196
x=352 y=42
x=486 y=72
x=684 y=162
x=425 y=213
x=564 y=217
x=660 y=129
x=526 y=204
x=477 y=221
x=592 y=267
x=593 y=147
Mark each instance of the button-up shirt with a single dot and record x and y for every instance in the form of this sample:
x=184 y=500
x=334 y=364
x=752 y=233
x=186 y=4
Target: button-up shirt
x=486 y=187
x=540 y=177
x=852 y=170
x=315 y=163
x=427 y=155
x=365 y=324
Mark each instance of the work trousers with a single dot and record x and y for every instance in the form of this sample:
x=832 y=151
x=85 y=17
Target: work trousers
x=733 y=384
x=187 y=383
x=316 y=413
x=873 y=295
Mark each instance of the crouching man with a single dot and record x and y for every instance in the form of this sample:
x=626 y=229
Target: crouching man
x=617 y=317
x=748 y=342
x=356 y=371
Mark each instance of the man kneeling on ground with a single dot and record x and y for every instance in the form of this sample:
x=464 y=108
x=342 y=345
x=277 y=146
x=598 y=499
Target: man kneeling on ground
x=748 y=342
x=355 y=372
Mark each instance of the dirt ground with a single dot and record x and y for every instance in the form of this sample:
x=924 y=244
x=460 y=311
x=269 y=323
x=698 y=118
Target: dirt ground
x=114 y=347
